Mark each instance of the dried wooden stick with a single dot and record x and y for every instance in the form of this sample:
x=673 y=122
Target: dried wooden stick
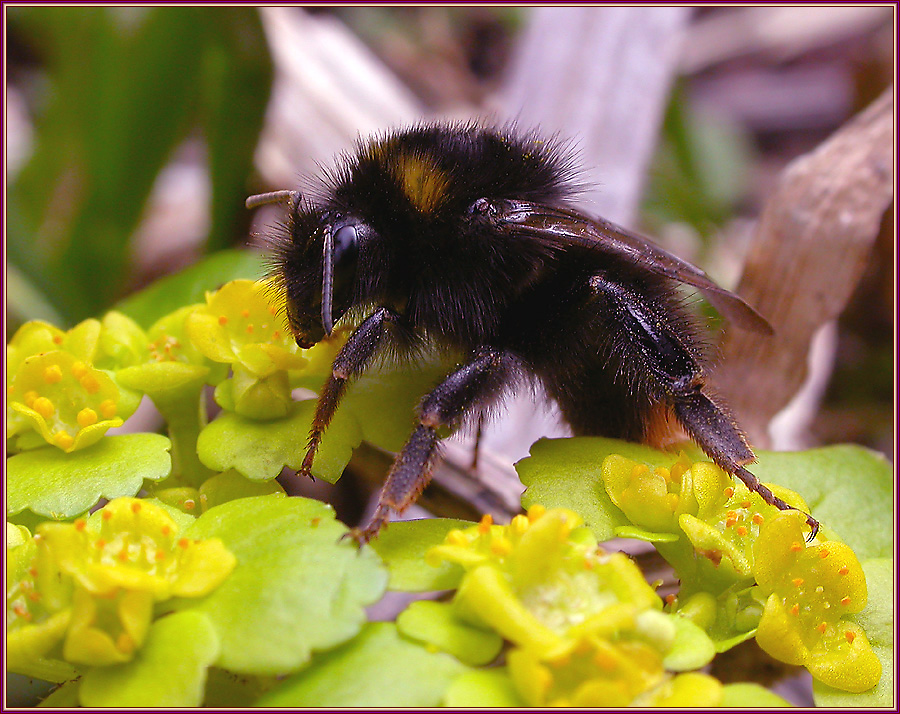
x=808 y=253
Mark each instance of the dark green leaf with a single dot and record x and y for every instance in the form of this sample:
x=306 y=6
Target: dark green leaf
x=190 y=285
x=236 y=77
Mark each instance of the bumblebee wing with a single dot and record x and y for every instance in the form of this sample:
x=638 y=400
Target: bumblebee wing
x=562 y=227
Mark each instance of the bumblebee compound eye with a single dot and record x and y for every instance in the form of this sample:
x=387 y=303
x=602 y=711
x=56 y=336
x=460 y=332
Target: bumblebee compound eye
x=346 y=246
x=340 y=251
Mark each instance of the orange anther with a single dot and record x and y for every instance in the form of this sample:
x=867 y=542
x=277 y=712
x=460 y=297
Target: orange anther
x=823 y=553
x=821 y=627
x=850 y=635
x=741 y=530
x=135 y=507
x=730 y=522
x=845 y=600
x=757 y=518
x=52 y=374
x=796 y=546
x=484 y=525
x=245 y=313
x=795 y=610
x=80 y=524
x=223 y=320
x=797 y=581
x=669 y=599
x=745 y=504
x=107 y=515
x=844 y=570
x=90 y=383
x=183 y=543
x=729 y=492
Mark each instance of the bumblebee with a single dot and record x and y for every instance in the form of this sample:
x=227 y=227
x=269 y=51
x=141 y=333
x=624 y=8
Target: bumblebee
x=462 y=238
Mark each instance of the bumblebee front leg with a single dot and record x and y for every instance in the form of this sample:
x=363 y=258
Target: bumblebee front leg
x=474 y=383
x=353 y=358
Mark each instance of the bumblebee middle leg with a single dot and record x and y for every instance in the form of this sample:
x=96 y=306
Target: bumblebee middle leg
x=476 y=382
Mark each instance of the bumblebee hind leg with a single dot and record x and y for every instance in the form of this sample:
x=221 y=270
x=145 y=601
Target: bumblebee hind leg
x=677 y=378
x=715 y=432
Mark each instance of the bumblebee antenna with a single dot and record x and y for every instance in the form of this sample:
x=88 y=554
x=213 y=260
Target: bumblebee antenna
x=291 y=198
x=327 y=280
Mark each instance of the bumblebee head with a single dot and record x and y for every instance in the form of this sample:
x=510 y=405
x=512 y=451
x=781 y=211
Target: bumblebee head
x=316 y=263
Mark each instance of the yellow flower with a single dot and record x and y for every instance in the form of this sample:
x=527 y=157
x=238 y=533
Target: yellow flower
x=808 y=591
x=93 y=584
x=719 y=517
x=538 y=579
x=68 y=402
x=240 y=325
x=600 y=672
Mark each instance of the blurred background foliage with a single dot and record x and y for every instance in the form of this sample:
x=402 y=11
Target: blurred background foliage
x=119 y=117
x=114 y=93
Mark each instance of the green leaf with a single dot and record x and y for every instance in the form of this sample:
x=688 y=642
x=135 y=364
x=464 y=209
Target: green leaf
x=261 y=449
x=232 y=485
x=402 y=547
x=692 y=648
x=566 y=473
x=385 y=400
x=376 y=669
x=638 y=533
x=298 y=586
x=878 y=620
x=849 y=489
x=58 y=485
x=483 y=688
x=436 y=623
x=190 y=285
x=746 y=695
x=168 y=671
